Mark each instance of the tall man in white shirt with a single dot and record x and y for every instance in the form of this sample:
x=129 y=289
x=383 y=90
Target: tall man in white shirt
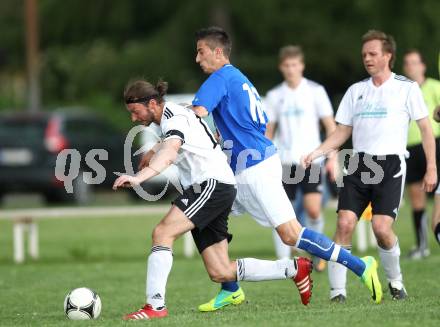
x=295 y=109
x=376 y=113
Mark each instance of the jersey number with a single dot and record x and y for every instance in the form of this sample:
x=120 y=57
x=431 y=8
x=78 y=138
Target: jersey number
x=256 y=108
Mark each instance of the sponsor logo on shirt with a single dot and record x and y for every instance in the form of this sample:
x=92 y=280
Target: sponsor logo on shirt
x=372 y=110
x=293 y=111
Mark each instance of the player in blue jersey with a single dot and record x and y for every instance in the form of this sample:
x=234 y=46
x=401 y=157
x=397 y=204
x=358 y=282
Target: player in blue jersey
x=203 y=208
x=236 y=108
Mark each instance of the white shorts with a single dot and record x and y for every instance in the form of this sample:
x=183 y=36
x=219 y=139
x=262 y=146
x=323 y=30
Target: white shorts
x=260 y=192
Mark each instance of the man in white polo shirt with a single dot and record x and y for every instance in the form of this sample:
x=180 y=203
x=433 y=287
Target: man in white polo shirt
x=295 y=108
x=376 y=113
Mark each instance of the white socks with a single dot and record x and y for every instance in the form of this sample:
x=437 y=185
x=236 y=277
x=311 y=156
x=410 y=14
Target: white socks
x=282 y=250
x=390 y=260
x=337 y=275
x=316 y=225
x=254 y=270
x=159 y=266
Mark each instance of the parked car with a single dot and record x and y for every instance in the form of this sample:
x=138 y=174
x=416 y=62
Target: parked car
x=30 y=143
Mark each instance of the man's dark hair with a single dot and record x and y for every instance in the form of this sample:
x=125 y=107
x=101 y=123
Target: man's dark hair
x=215 y=37
x=414 y=51
x=142 y=91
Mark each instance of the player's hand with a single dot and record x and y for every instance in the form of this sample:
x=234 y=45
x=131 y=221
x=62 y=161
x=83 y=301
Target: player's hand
x=125 y=181
x=430 y=180
x=307 y=160
x=331 y=167
x=436 y=114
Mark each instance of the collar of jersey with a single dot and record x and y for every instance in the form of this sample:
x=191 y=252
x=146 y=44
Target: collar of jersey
x=384 y=83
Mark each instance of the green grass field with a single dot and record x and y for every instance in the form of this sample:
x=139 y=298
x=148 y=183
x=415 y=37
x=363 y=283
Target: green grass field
x=109 y=255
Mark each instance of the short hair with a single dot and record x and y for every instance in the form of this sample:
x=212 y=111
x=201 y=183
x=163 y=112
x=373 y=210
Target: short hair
x=388 y=43
x=415 y=51
x=142 y=91
x=215 y=37
x=290 y=51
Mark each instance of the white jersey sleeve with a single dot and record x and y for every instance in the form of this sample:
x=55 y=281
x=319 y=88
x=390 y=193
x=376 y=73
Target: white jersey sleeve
x=175 y=127
x=199 y=158
x=344 y=115
x=322 y=102
x=416 y=104
x=271 y=106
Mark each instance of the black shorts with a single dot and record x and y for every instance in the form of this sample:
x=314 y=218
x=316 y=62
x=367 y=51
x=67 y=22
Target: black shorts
x=416 y=163
x=208 y=205
x=309 y=180
x=380 y=182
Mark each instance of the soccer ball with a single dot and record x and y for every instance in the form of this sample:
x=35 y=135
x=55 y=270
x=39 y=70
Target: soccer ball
x=82 y=304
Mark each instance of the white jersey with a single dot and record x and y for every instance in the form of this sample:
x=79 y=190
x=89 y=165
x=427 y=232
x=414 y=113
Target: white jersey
x=200 y=157
x=297 y=113
x=380 y=115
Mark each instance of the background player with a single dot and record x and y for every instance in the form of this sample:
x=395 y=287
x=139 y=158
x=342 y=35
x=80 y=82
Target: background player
x=204 y=206
x=436 y=212
x=237 y=111
x=295 y=109
x=376 y=112
x=415 y=68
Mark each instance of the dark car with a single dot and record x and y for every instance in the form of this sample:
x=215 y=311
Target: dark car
x=30 y=143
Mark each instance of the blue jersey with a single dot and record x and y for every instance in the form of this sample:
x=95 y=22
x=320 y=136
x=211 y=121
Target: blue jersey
x=239 y=116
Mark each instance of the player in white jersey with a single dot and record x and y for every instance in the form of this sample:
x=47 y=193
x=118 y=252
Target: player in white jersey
x=295 y=109
x=376 y=113
x=204 y=206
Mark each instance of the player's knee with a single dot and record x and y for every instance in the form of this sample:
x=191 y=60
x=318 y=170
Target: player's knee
x=288 y=238
x=345 y=226
x=289 y=232
x=159 y=234
x=381 y=230
x=155 y=234
x=314 y=213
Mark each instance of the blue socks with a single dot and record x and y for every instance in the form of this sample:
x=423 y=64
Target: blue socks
x=230 y=286
x=321 y=246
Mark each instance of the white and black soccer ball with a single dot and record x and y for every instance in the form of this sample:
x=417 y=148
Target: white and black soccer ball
x=82 y=304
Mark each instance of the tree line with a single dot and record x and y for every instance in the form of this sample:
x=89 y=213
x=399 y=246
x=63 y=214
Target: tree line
x=90 y=49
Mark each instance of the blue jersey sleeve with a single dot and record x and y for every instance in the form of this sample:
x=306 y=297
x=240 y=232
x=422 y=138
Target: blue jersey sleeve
x=210 y=93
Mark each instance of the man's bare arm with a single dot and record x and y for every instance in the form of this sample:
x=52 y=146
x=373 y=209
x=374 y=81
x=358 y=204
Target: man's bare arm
x=270 y=130
x=332 y=163
x=428 y=142
x=332 y=143
x=160 y=161
x=200 y=111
